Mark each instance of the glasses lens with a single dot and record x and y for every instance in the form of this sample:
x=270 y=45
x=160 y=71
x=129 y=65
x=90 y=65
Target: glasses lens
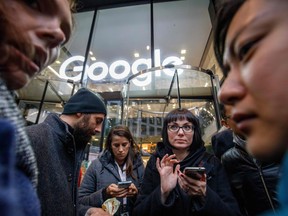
x=187 y=128
x=173 y=128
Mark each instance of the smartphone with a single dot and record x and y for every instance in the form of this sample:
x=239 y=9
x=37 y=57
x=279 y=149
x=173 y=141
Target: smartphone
x=124 y=184
x=195 y=172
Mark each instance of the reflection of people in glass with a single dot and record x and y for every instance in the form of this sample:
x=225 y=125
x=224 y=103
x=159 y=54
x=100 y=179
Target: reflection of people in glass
x=31 y=35
x=166 y=190
x=251 y=44
x=120 y=161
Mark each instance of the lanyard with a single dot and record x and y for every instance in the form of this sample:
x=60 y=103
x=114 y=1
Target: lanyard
x=123 y=178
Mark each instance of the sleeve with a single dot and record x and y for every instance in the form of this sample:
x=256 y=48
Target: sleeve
x=219 y=198
x=149 y=199
x=88 y=195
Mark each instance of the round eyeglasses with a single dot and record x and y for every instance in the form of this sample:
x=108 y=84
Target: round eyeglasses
x=185 y=128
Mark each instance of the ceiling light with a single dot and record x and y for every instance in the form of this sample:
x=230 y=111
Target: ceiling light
x=91 y=53
x=136 y=55
x=93 y=58
x=182 y=58
x=183 y=51
x=148 y=47
x=58 y=62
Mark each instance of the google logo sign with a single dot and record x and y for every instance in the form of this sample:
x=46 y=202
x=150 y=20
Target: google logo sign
x=141 y=80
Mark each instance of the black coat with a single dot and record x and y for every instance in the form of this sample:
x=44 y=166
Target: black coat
x=249 y=178
x=221 y=142
x=218 y=201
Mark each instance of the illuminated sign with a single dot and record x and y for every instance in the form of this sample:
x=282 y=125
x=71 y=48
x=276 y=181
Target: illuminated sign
x=142 y=80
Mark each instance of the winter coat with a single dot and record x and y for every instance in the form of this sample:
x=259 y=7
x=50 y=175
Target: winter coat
x=253 y=183
x=59 y=160
x=219 y=199
x=101 y=173
x=221 y=142
x=23 y=167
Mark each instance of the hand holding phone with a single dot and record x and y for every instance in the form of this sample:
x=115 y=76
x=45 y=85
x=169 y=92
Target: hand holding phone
x=197 y=173
x=124 y=184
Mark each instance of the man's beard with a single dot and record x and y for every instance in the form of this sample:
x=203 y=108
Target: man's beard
x=82 y=132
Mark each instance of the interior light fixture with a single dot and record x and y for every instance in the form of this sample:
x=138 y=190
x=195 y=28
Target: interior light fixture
x=182 y=58
x=91 y=53
x=58 y=62
x=148 y=47
x=136 y=55
x=93 y=58
x=183 y=51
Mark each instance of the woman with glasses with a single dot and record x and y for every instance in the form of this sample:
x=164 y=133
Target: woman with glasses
x=167 y=190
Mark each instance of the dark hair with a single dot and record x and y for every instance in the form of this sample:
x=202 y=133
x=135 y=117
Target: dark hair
x=182 y=114
x=225 y=14
x=123 y=131
x=222 y=110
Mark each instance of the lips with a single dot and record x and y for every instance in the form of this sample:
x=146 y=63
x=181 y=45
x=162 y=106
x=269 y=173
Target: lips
x=244 y=121
x=31 y=66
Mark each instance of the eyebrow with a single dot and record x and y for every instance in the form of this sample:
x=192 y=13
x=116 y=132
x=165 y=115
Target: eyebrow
x=250 y=24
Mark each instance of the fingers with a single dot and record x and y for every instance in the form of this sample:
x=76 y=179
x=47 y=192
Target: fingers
x=192 y=186
x=166 y=161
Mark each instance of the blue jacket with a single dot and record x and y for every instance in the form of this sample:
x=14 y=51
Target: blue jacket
x=219 y=199
x=101 y=173
x=282 y=190
x=17 y=160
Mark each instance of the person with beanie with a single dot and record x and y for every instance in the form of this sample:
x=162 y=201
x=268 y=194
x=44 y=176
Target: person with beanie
x=59 y=143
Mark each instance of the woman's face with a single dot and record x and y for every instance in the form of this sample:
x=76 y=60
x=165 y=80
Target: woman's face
x=43 y=26
x=182 y=138
x=120 y=148
x=256 y=56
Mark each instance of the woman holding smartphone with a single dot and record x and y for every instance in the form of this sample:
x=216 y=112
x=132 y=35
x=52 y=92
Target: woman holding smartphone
x=167 y=190
x=118 y=172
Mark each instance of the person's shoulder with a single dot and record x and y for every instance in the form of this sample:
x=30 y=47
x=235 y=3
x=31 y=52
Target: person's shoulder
x=227 y=134
x=231 y=155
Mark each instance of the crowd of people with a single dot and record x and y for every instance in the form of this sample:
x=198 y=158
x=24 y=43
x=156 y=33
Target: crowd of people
x=247 y=175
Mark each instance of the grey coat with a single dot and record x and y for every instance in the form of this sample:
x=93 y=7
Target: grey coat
x=100 y=174
x=59 y=161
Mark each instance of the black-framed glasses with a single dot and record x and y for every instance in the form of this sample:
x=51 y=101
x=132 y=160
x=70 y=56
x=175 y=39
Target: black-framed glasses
x=185 y=128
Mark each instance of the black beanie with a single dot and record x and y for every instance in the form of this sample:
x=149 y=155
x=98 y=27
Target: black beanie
x=85 y=101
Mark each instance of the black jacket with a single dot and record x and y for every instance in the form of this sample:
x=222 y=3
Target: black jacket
x=219 y=199
x=250 y=179
x=221 y=142
x=101 y=173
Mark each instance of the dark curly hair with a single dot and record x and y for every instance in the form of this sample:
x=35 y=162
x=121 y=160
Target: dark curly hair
x=182 y=114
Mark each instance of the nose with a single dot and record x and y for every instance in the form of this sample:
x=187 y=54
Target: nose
x=98 y=128
x=180 y=131
x=121 y=148
x=52 y=34
x=232 y=90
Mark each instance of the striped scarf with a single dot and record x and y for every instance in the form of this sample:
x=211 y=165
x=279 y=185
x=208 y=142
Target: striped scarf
x=25 y=158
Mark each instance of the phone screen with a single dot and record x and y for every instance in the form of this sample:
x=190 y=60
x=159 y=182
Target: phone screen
x=195 y=172
x=124 y=184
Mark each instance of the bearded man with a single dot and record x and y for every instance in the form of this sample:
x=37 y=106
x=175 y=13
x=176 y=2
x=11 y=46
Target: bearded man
x=59 y=143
